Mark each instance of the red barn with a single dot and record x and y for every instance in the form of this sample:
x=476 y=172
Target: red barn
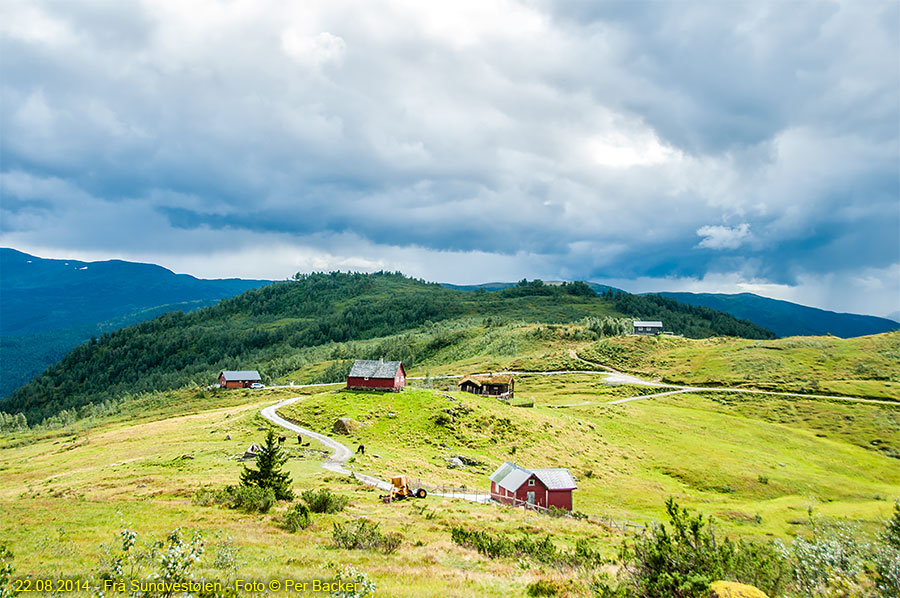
x=516 y=485
x=376 y=375
x=238 y=379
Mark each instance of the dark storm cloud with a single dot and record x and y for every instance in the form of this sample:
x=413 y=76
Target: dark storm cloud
x=578 y=140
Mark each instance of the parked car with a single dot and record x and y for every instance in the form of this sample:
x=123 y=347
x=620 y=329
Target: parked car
x=257 y=385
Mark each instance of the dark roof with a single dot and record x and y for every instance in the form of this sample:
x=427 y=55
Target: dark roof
x=365 y=368
x=511 y=476
x=482 y=380
x=240 y=375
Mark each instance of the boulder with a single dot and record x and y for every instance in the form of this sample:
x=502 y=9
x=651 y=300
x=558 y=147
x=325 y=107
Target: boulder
x=454 y=462
x=251 y=452
x=345 y=425
x=732 y=589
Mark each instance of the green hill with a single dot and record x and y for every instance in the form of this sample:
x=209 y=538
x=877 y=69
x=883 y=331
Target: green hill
x=866 y=366
x=270 y=327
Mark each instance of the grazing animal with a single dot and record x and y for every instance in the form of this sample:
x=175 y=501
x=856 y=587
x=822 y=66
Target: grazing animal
x=361 y=450
x=281 y=440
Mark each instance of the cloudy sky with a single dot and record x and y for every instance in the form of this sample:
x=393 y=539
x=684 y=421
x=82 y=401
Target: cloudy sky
x=706 y=146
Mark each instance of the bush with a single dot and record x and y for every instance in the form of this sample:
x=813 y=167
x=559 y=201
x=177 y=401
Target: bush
x=324 y=501
x=208 y=496
x=247 y=498
x=682 y=561
x=357 y=583
x=6 y=571
x=297 y=518
x=542 y=550
x=364 y=535
x=251 y=498
x=542 y=587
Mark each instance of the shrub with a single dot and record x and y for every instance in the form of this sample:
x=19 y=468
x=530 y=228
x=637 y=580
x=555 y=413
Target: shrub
x=541 y=550
x=324 y=501
x=177 y=559
x=442 y=419
x=358 y=583
x=297 y=518
x=681 y=561
x=891 y=533
x=226 y=555
x=364 y=535
x=887 y=556
x=208 y=496
x=247 y=498
x=542 y=587
x=6 y=571
x=251 y=498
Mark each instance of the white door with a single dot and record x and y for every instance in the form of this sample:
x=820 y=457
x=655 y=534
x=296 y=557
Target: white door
x=530 y=498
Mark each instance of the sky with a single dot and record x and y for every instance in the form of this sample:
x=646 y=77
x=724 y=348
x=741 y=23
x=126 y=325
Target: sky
x=699 y=146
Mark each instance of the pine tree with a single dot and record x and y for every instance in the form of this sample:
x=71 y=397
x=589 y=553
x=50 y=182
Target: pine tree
x=269 y=474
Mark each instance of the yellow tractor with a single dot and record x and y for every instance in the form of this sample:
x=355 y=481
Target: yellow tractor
x=400 y=489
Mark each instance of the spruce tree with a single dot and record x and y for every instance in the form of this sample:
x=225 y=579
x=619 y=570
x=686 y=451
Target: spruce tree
x=268 y=473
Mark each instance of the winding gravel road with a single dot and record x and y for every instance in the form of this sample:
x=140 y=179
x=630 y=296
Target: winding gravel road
x=337 y=461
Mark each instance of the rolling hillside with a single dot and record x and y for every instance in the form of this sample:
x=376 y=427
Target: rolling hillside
x=764 y=467
x=267 y=328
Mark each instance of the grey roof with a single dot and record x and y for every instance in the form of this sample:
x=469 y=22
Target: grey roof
x=240 y=375
x=511 y=477
x=555 y=479
x=365 y=368
x=652 y=324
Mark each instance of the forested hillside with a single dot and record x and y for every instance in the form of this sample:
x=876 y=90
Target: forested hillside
x=267 y=324
x=50 y=306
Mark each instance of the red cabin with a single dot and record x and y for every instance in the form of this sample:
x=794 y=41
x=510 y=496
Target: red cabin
x=514 y=485
x=376 y=375
x=238 y=379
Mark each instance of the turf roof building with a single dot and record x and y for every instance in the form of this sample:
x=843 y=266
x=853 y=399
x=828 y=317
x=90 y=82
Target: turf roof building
x=643 y=327
x=238 y=378
x=514 y=485
x=376 y=375
x=489 y=386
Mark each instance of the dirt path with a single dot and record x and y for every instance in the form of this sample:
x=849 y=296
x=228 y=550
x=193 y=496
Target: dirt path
x=337 y=461
x=621 y=378
x=341 y=453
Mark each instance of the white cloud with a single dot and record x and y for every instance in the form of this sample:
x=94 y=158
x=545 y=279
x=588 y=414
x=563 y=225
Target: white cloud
x=723 y=237
x=516 y=138
x=313 y=50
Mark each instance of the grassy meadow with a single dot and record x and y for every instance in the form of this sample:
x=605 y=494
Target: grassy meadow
x=758 y=464
x=867 y=366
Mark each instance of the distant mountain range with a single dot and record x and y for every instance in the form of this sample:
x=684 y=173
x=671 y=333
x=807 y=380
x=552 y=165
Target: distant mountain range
x=781 y=317
x=48 y=306
x=788 y=319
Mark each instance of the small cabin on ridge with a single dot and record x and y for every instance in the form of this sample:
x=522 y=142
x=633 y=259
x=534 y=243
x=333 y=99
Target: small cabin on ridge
x=648 y=327
x=489 y=386
x=376 y=375
x=238 y=378
x=517 y=486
